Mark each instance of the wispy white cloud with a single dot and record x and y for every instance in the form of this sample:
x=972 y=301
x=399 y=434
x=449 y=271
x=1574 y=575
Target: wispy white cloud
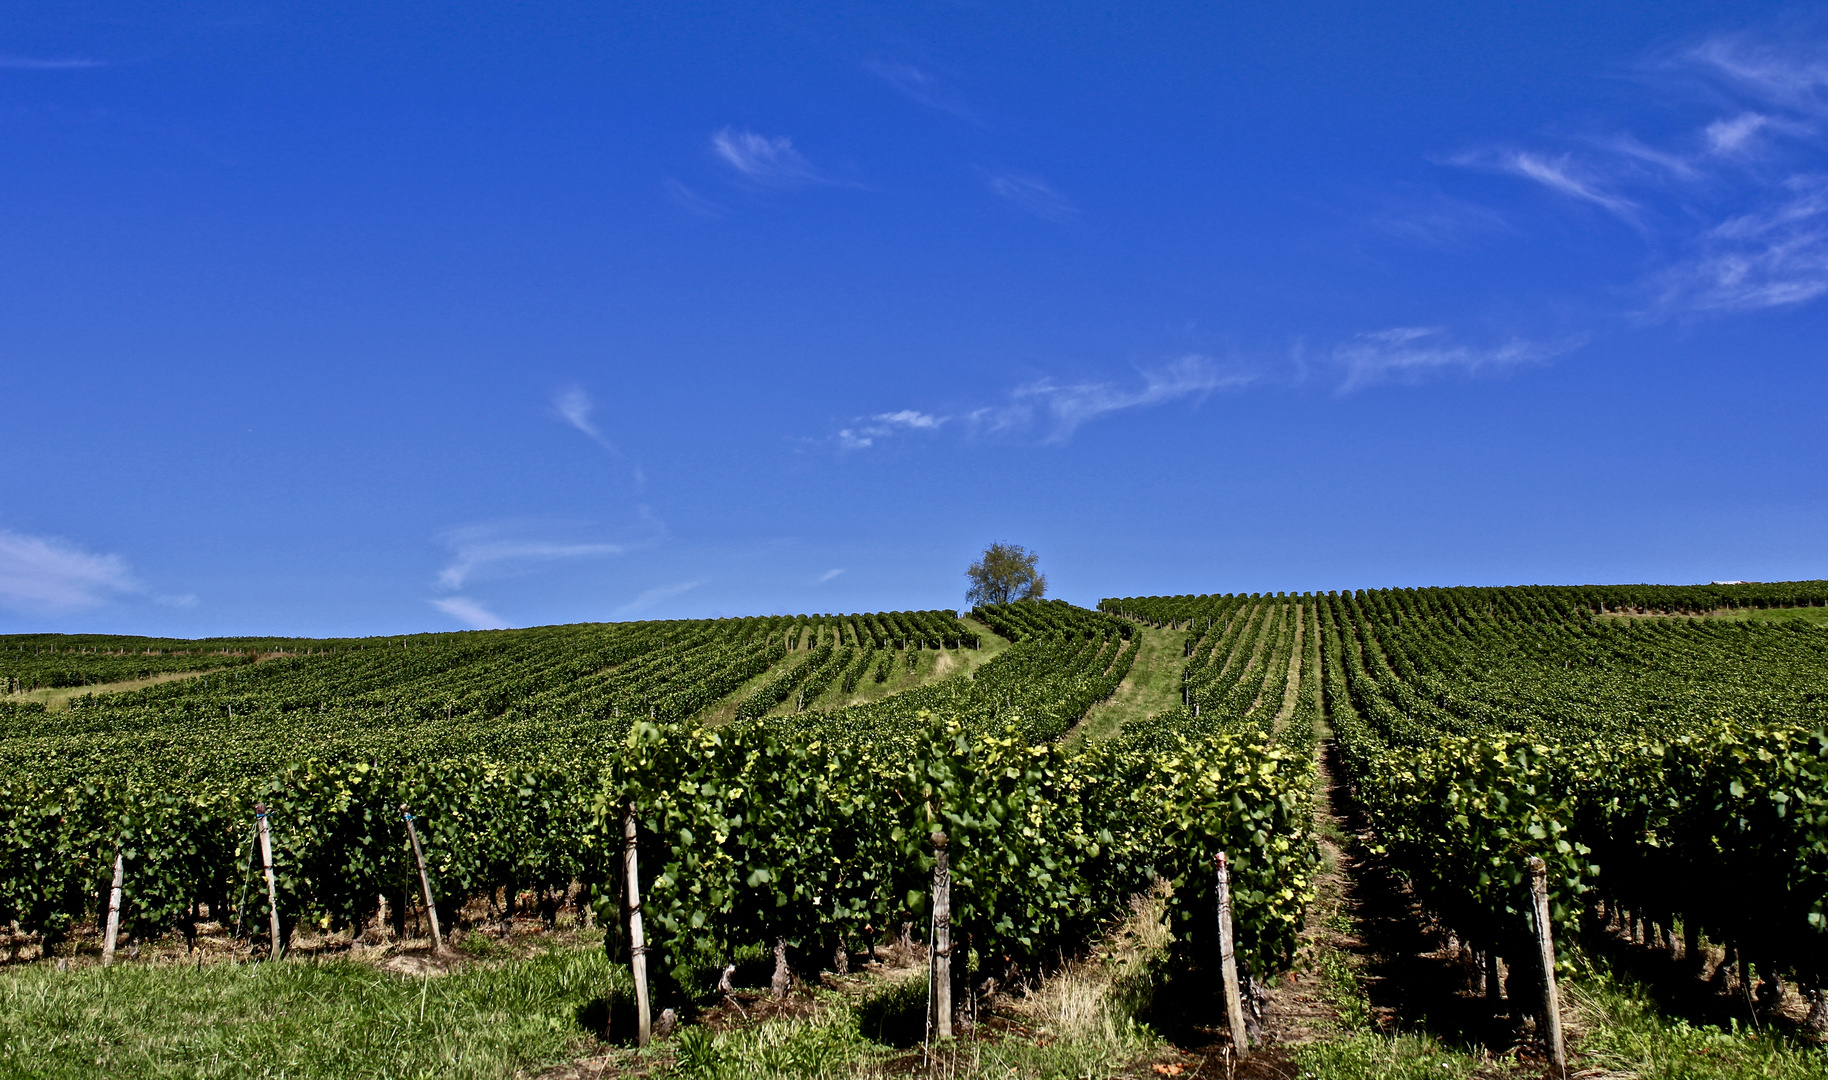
x=828 y=575
x=1734 y=135
x=1031 y=194
x=691 y=201
x=1772 y=257
x=1559 y=173
x=487 y=551
x=923 y=87
x=575 y=406
x=912 y=418
x=864 y=434
x=1410 y=353
x=656 y=595
x=1785 y=67
x=1763 y=241
x=1735 y=207
x=764 y=159
x=60 y=63
x=470 y=613
x=1631 y=149
x=1069 y=406
x=1058 y=409
x=43 y=575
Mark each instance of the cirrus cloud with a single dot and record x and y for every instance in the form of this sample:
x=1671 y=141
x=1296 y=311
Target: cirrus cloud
x=1057 y=408
x=1031 y=194
x=505 y=549
x=470 y=613
x=1410 y=353
x=764 y=159
x=44 y=575
x=658 y=594
x=1731 y=204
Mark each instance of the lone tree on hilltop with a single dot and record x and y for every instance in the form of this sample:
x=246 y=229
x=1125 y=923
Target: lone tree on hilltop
x=1005 y=572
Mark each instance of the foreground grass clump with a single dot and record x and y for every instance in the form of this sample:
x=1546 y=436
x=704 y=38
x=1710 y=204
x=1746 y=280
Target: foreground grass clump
x=1093 y=1035
x=299 y=1019
x=1618 y=1032
x=1626 y=1033
x=1077 y=1022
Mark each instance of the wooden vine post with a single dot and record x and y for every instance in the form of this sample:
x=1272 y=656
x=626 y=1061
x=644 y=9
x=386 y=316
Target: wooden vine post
x=941 y=973
x=1551 y=996
x=637 y=942
x=1228 y=962
x=266 y=864
x=425 y=881
x=114 y=912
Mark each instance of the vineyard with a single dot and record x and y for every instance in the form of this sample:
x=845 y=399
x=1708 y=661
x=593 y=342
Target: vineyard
x=519 y=753
x=790 y=782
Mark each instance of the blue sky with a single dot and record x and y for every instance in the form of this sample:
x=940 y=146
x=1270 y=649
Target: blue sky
x=324 y=319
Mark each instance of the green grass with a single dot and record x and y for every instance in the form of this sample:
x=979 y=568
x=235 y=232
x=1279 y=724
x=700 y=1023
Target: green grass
x=1355 y=1050
x=935 y=665
x=1153 y=686
x=58 y=698
x=1622 y=1034
x=299 y=1019
x=339 y=1019
x=1815 y=615
x=1788 y=614
x=1084 y=1016
x=1626 y=1033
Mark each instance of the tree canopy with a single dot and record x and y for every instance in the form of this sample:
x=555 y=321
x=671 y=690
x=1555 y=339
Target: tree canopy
x=1005 y=572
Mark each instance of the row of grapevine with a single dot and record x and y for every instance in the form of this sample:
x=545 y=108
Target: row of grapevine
x=1048 y=844
x=1676 y=766
x=49 y=661
x=1242 y=653
x=882 y=630
x=1064 y=661
x=1183 y=612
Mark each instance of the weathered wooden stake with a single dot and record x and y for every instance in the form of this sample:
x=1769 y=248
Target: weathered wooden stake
x=1551 y=996
x=1228 y=962
x=114 y=912
x=425 y=881
x=941 y=974
x=637 y=942
x=266 y=864
x=783 y=978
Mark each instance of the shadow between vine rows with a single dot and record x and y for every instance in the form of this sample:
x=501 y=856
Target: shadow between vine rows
x=1695 y=992
x=1408 y=976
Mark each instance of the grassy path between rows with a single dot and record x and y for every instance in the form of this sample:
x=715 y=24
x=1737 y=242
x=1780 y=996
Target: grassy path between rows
x=56 y=698
x=1152 y=686
x=1376 y=994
